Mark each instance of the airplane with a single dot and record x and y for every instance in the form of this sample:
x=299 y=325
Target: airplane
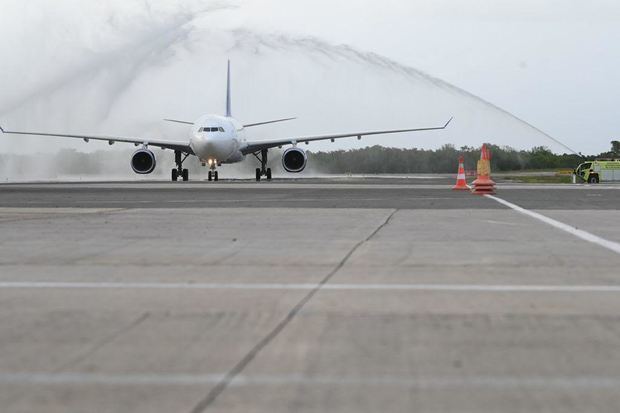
x=218 y=140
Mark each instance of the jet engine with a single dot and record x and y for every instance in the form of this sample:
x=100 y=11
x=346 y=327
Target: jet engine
x=143 y=161
x=294 y=159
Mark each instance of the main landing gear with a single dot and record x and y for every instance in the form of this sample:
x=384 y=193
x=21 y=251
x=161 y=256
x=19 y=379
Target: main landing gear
x=263 y=170
x=179 y=171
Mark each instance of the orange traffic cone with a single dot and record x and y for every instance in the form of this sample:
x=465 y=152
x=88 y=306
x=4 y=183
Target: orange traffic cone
x=461 y=181
x=483 y=184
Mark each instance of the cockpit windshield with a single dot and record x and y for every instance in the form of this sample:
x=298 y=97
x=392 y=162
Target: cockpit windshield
x=211 y=129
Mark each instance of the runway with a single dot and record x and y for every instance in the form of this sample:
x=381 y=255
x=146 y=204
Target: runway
x=398 y=193
x=353 y=295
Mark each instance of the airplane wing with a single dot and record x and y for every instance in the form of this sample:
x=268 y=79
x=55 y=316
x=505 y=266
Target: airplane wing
x=165 y=144
x=255 y=146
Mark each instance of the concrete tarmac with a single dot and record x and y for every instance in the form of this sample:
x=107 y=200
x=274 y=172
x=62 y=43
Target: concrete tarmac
x=307 y=296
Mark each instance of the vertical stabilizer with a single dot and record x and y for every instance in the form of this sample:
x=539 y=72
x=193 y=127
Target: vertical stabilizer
x=228 y=109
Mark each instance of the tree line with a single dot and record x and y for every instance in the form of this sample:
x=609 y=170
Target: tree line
x=382 y=160
x=369 y=160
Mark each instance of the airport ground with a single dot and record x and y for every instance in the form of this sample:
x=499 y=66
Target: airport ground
x=348 y=295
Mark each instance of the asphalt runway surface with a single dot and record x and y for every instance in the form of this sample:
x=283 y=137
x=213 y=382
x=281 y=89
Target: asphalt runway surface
x=348 y=295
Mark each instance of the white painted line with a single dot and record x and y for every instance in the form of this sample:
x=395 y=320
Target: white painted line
x=579 y=233
x=109 y=379
x=464 y=382
x=268 y=186
x=327 y=287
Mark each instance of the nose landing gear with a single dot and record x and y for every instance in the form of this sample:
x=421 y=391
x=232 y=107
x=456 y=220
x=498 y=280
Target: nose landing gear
x=213 y=176
x=179 y=171
x=263 y=170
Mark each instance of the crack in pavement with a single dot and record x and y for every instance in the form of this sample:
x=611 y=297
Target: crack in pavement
x=223 y=384
x=101 y=343
x=81 y=357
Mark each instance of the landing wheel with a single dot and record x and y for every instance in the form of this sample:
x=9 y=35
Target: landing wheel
x=179 y=171
x=215 y=176
x=210 y=178
x=263 y=170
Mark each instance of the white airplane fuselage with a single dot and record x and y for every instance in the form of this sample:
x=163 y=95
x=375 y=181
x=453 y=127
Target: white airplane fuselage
x=218 y=139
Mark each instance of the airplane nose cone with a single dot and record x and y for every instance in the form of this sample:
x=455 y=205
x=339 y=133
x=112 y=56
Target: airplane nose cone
x=218 y=149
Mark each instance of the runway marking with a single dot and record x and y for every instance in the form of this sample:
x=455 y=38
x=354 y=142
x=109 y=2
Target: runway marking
x=579 y=233
x=465 y=382
x=512 y=224
x=325 y=287
x=268 y=186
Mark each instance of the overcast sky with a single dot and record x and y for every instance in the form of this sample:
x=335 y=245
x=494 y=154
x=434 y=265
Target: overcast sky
x=552 y=63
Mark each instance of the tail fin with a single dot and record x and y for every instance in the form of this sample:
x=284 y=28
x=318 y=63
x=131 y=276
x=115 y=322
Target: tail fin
x=228 y=103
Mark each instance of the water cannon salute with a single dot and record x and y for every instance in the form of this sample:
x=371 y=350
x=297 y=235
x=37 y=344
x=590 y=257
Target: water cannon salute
x=390 y=259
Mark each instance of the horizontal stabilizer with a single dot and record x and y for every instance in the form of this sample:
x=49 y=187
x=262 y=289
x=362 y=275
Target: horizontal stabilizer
x=179 y=121
x=267 y=122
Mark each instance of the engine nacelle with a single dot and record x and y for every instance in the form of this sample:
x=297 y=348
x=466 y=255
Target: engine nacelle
x=294 y=159
x=143 y=161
